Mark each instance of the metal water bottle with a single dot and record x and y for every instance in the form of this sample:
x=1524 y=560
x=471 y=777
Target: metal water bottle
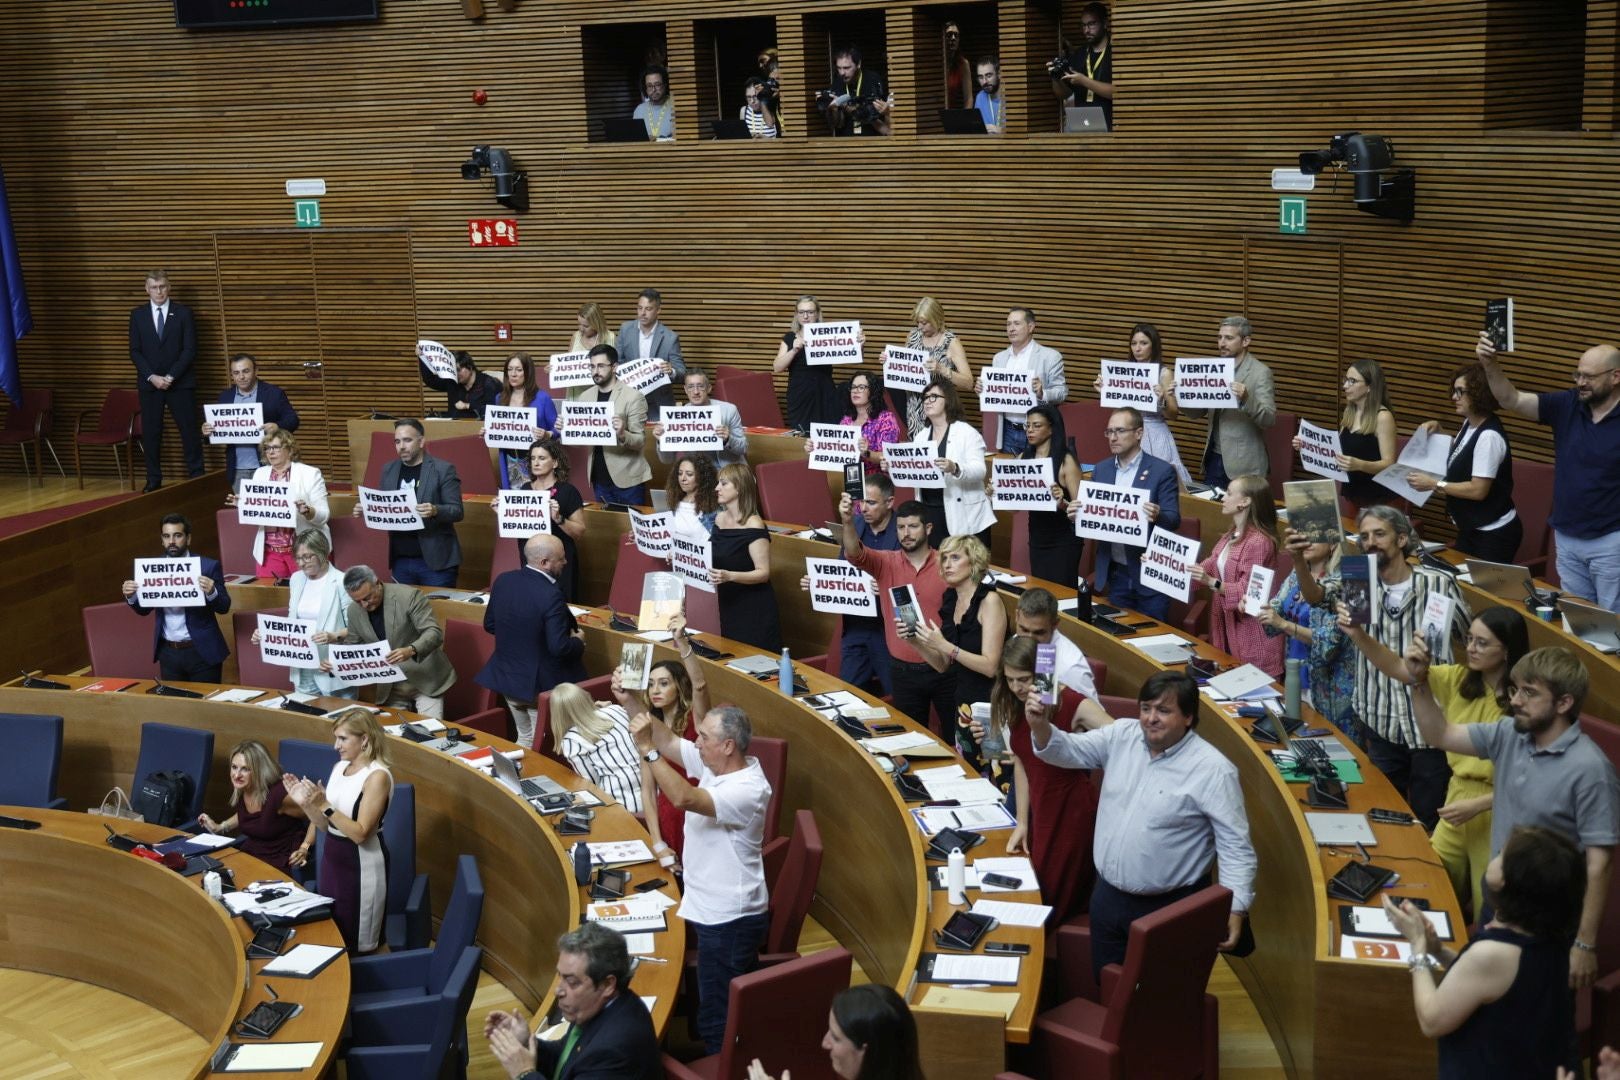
x=1082 y=601
x=784 y=673
x=956 y=877
x=1291 y=688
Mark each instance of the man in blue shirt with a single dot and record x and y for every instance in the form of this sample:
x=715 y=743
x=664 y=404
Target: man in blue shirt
x=1586 y=484
x=863 y=653
x=990 y=101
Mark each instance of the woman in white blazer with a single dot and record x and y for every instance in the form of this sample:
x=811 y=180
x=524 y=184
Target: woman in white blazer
x=272 y=547
x=315 y=594
x=962 y=508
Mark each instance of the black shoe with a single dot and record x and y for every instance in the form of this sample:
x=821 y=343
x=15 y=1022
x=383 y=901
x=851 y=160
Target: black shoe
x=151 y=487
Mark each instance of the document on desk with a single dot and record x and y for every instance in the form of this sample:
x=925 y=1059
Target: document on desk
x=898 y=744
x=1012 y=913
x=267 y=1057
x=628 y=915
x=969 y=968
x=987 y=818
x=1245 y=683
x=1165 y=648
x=969 y=791
x=235 y=693
x=302 y=961
x=619 y=853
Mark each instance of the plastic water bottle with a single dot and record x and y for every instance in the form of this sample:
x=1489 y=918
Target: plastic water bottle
x=1082 y=601
x=1291 y=688
x=212 y=885
x=784 y=673
x=956 y=878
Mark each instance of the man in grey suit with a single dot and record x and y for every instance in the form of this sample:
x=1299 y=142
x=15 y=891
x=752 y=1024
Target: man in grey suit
x=618 y=473
x=1024 y=353
x=163 y=347
x=1237 y=442
x=728 y=422
x=645 y=336
x=430 y=557
x=403 y=617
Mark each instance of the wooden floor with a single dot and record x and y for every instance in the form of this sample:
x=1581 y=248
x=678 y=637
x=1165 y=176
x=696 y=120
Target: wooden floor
x=19 y=496
x=57 y=1028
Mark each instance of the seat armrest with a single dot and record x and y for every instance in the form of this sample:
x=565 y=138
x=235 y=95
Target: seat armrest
x=1074 y=962
x=390 y=1023
x=406 y=970
x=78 y=421
x=419 y=915
x=674 y=1070
x=384 y=1062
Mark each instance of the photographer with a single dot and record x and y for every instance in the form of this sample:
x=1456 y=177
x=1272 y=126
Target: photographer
x=759 y=108
x=1087 y=78
x=862 y=101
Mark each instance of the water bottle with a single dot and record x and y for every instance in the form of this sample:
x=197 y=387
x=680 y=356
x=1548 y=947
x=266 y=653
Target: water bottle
x=956 y=878
x=212 y=885
x=1082 y=598
x=784 y=673
x=1291 y=688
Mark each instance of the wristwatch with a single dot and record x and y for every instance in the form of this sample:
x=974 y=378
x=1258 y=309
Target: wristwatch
x=1584 y=947
x=1439 y=485
x=329 y=811
x=1424 y=960
x=652 y=756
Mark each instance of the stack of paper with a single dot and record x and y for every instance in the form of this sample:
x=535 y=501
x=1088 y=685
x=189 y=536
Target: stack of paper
x=619 y=853
x=969 y=791
x=953 y=999
x=1165 y=648
x=295 y=902
x=1012 y=913
x=637 y=913
x=987 y=818
x=235 y=693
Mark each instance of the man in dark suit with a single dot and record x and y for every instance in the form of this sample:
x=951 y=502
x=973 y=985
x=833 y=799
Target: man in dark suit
x=538 y=643
x=186 y=642
x=430 y=557
x=246 y=388
x=610 y=1033
x=163 y=344
x=643 y=337
x=1119 y=565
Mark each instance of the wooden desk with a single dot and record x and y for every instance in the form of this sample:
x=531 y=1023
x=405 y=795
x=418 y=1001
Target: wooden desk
x=81 y=910
x=530 y=894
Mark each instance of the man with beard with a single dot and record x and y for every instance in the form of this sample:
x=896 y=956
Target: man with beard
x=1548 y=772
x=186 y=642
x=1090 y=80
x=857 y=103
x=1415 y=768
x=618 y=473
x=645 y=338
x=1586 y=485
x=990 y=101
x=1236 y=445
x=658 y=110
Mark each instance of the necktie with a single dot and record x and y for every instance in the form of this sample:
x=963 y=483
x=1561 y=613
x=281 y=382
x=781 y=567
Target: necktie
x=160 y=321
x=568 y=1048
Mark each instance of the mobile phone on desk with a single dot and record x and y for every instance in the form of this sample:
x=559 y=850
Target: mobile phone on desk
x=649 y=886
x=887 y=729
x=1001 y=881
x=1007 y=948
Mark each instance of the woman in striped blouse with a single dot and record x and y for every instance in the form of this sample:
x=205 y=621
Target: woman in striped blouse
x=596 y=744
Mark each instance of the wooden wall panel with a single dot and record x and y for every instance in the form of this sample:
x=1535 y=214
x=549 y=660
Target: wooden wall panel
x=160 y=139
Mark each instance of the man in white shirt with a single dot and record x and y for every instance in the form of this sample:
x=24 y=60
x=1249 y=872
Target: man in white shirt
x=1036 y=618
x=726 y=902
x=1170 y=803
x=728 y=423
x=645 y=337
x=1024 y=353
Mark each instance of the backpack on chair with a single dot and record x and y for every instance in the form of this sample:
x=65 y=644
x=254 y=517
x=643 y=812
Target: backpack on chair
x=162 y=798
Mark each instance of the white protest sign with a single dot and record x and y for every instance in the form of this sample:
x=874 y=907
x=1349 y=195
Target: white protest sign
x=1022 y=485
x=1007 y=390
x=1126 y=384
x=390 y=511
x=651 y=533
x=522 y=514
x=583 y=422
x=358 y=665
x=905 y=369
x=287 y=642
x=234 y=423
x=911 y=464
x=1205 y=383
x=692 y=559
x=1259 y=590
x=1319 y=450
x=1111 y=513
x=834 y=446
x=1164 y=564
x=837 y=586
x=509 y=427
x=169 y=582
x=689 y=428
x=566 y=369
x=643 y=376
x=438 y=359
x=266 y=503
x=1424 y=453
x=829 y=343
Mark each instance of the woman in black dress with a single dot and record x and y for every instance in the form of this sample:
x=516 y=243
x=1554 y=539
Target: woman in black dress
x=812 y=397
x=971 y=631
x=548 y=467
x=1054 y=550
x=1367 y=441
x=742 y=563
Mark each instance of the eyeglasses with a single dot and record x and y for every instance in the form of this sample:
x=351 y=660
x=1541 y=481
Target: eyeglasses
x=307 y=557
x=1583 y=377
x=933 y=397
x=1457 y=391
x=1113 y=432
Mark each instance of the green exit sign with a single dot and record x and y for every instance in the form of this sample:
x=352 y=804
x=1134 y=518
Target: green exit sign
x=1291 y=215
x=307 y=212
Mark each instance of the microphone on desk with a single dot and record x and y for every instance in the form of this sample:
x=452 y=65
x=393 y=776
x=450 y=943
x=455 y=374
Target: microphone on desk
x=272 y=992
x=379 y=415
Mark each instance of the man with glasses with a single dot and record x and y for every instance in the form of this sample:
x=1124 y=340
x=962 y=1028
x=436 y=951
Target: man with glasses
x=1119 y=564
x=756 y=111
x=1024 y=353
x=728 y=423
x=990 y=101
x=1586 y=484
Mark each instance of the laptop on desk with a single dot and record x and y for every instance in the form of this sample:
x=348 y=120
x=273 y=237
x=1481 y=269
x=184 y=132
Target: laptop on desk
x=962 y=122
x=506 y=771
x=1084 y=120
x=726 y=127
x=1593 y=625
x=625 y=129
x=1500 y=579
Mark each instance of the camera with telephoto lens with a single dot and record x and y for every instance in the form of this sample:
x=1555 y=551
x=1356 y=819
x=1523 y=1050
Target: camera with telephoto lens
x=769 y=91
x=1060 y=67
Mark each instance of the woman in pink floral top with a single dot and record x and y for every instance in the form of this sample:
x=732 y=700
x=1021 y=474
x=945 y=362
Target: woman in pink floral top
x=868 y=406
x=1250 y=542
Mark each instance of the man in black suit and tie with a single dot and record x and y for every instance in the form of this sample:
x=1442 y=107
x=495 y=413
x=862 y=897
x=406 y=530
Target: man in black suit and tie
x=538 y=643
x=163 y=344
x=610 y=1033
x=431 y=556
x=246 y=389
x=186 y=642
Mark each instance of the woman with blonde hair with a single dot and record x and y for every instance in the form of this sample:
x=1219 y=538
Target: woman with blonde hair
x=1367 y=442
x=969 y=636
x=1250 y=542
x=271 y=825
x=595 y=741
x=354 y=869
x=272 y=545
x=946 y=357
x=742 y=563
x=592 y=329
x=812 y=396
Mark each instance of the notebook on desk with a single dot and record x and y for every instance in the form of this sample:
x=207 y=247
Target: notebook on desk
x=1594 y=625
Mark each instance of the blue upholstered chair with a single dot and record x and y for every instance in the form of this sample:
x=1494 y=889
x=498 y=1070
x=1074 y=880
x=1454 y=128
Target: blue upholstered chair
x=416 y=1037
x=28 y=770
x=409 y=924
x=166 y=747
x=419 y=972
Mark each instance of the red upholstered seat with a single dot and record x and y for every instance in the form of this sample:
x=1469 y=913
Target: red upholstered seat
x=1084 y=422
x=599 y=688
x=120 y=642
x=792 y=492
x=355 y=545
x=235 y=542
x=1532 y=498
x=117 y=423
x=773 y=762
x=793 y=868
x=29 y=425
x=1280 y=450
x=754 y=394
x=251 y=669
x=468 y=649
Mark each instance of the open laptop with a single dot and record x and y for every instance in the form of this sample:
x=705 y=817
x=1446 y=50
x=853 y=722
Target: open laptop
x=1594 y=625
x=962 y=122
x=625 y=129
x=506 y=771
x=1506 y=580
x=1085 y=120
x=730 y=127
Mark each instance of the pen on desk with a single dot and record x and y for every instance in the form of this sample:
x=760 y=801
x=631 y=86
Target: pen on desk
x=968 y=986
x=651 y=960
